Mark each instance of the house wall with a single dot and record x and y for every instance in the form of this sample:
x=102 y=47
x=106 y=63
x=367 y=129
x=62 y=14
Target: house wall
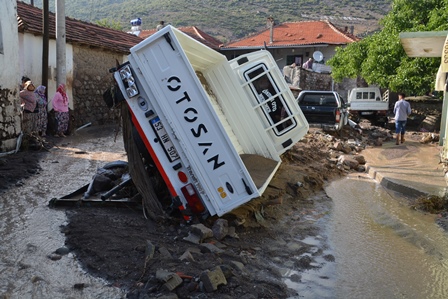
x=91 y=79
x=30 y=63
x=10 y=118
x=281 y=55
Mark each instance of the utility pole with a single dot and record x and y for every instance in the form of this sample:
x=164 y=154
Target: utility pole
x=45 y=45
x=61 y=75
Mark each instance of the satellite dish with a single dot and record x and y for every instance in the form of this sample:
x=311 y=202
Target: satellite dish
x=318 y=56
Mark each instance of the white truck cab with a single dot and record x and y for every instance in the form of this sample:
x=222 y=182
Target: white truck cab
x=369 y=103
x=215 y=129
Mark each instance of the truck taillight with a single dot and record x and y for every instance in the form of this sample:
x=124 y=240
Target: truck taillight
x=194 y=202
x=128 y=81
x=338 y=116
x=182 y=177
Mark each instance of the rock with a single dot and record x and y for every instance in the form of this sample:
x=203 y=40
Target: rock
x=187 y=256
x=348 y=161
x=149 y=250
x=208 y=247
x=62 y=250
x=337 y=146
x=361 y=168
x=360 y=158
x=220 y=229
x=227 y=271
x=232 y=232
x=54 y=257
x=346 y=148
x=237 y=265
x=192 y=238
x=172 y=280
x=212 y=279
x=202 y=231
x=378 y=142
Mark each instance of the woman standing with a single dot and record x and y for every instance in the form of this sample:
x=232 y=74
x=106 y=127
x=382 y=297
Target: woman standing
x=42 y=117
x=60 y=106
x=28 y=101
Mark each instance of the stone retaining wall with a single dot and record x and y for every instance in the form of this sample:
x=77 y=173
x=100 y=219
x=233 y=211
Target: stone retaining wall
x=10 y=118
x=91 y=79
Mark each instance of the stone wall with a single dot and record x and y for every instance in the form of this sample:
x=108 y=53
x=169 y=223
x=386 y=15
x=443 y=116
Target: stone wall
x=91 y=78
x=10 y=118
x=309 y=80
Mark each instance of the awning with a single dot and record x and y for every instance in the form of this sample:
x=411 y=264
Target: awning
x=428 y=44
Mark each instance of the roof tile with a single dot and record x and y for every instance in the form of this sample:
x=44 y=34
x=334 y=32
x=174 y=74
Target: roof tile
x=193 y=32
x=76 y=31
x=296 y=34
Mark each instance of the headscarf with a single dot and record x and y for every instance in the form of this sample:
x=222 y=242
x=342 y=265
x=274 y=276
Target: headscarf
x=61 y=90
x=29 y=86
x=40 y=91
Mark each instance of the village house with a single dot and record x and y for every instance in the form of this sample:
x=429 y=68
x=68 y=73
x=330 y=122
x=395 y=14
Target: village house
x=296 y=42
x=10 y=120
x=90 y=52
x=293 y=42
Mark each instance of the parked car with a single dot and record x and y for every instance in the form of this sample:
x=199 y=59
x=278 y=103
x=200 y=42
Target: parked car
x=326 y=109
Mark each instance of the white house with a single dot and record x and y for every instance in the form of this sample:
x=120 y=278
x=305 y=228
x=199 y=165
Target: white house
x=10 y=120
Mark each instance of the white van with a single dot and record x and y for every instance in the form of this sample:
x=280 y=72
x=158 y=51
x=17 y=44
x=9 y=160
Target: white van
x=368 y=102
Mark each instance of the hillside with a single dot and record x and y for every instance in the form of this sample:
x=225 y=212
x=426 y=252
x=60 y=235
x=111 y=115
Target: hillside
x=229 y=19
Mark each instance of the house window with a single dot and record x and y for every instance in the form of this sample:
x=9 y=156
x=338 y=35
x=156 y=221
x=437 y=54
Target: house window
x=297 y=59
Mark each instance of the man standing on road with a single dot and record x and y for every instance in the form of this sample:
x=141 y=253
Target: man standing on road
x=401 y=110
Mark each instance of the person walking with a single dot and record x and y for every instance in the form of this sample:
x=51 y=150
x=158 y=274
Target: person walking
x=42 y=114
x=60 y=106
x=402 y=110
x=28 y=100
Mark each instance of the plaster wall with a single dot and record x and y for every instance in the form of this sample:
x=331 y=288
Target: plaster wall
x=10 y=117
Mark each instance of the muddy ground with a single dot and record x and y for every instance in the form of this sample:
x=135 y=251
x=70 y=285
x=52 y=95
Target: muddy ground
x=247 y=254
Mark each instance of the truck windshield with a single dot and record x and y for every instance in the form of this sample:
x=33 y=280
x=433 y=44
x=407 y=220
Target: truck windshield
x=272 y=102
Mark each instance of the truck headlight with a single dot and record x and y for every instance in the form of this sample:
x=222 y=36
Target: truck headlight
x=129 y=81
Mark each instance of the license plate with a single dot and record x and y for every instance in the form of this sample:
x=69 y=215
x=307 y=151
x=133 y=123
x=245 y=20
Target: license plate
x=164 y=139
x=367 y=113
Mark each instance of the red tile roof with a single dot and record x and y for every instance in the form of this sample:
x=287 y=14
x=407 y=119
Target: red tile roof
x=193 y=32
x=77 y=32
x=292 y=34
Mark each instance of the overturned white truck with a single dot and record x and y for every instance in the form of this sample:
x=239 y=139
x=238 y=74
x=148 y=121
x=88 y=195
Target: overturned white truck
x=214 y=128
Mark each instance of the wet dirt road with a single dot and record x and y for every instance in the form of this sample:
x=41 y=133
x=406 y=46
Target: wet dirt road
x=30 y=230
x=382 y=248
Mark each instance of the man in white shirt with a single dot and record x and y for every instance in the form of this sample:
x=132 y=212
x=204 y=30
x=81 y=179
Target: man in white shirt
x=402 y=109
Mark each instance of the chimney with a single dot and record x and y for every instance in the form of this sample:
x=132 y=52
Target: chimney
x=352 y=29
x=346 y=29
x=270 y=24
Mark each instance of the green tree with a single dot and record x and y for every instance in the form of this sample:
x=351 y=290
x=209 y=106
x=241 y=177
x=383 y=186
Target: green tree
x=112 y=24
x=380 y=58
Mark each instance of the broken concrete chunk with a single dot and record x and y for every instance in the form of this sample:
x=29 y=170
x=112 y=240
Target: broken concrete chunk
x=237 y=265
x=212 y=279
x=149 y=251
x=187 y=256
x=232 y=232
x=208 y=247
x=202 y=231
x=220 y=229
x=192 y=238
x=172 y=280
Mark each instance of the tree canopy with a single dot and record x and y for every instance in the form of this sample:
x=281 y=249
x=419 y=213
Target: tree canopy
x=380 y=58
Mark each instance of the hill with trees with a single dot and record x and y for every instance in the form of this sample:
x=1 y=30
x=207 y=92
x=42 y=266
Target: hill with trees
x=227 y=19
